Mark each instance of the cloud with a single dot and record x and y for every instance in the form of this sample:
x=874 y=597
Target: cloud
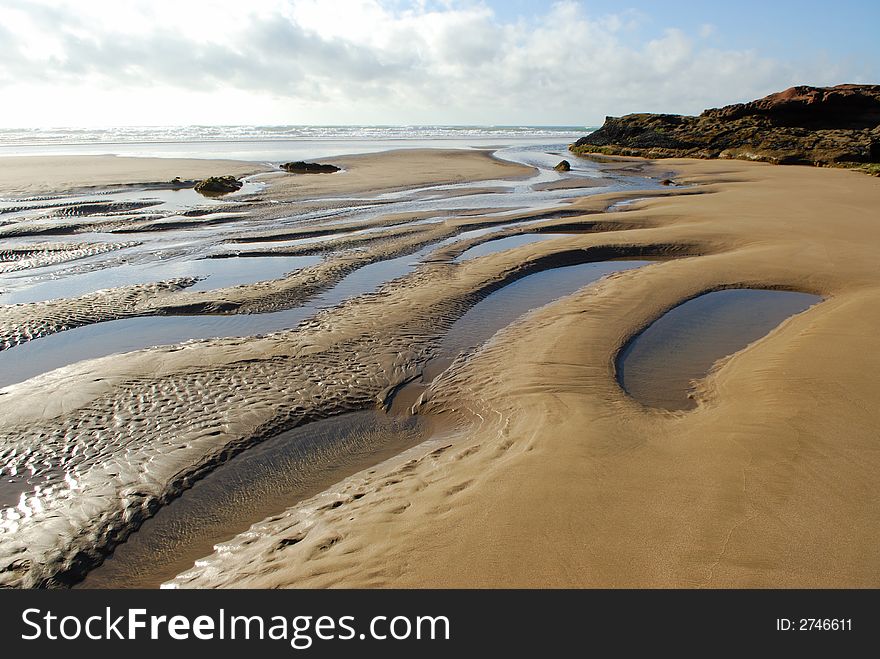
x=357 y=61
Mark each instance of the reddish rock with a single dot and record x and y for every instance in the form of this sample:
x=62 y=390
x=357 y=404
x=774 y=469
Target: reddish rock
x=843 y=106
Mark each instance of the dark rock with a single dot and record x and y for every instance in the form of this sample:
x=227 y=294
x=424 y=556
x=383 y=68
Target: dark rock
x=217 y=185
x=301 y=167
x=821 y=108
x=178 y=183
x=801 y=125
x=667 y=181
x=563 y=166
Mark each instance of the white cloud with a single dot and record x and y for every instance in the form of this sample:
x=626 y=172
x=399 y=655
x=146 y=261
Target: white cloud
x=355 y=61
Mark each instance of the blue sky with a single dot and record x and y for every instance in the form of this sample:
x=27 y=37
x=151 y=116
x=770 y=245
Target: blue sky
x=840 y=31
x=781 y=28
x=151 y=62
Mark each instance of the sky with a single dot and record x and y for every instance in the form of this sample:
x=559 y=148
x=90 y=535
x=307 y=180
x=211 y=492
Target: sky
x=515 y=62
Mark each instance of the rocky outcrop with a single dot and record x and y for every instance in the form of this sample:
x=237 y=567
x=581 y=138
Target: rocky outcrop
x=563 y=166
x=301 y=167
x=802 y=125
x=217 y=185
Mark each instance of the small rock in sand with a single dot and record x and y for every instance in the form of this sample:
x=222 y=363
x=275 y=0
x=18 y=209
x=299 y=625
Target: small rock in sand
x=301 y=167
x=217 y=185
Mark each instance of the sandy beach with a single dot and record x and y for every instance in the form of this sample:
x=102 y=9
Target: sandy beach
x=563 y=481
x=38 y=175
x=390 y=170
x=537 y=468
x=462 y=323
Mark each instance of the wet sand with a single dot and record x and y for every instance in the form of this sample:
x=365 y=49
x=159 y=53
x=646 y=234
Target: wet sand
x=93 y=449
x=292 y=466
x=555 y=476
x=565 y=481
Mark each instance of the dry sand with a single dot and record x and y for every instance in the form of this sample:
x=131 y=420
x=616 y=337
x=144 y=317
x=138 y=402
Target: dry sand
x=396 y=170
x=389 y=170
x=564 y=481
x=36 y=175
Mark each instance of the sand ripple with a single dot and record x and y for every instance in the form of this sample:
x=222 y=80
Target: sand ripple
x=14 y=259
x=109 y=461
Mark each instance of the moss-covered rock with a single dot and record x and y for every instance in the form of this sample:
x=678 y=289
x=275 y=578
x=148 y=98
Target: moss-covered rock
x=802 y=125
x=563 y=166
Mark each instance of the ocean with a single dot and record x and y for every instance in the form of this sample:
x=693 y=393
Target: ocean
x=271 y=143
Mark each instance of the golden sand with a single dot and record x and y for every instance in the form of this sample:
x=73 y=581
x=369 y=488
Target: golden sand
x=566 y=482
x=560 y=479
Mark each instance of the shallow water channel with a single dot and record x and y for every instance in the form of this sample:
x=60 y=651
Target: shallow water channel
x=102 y=339
x=259 y=482
x=501 y=308
x=293 y=465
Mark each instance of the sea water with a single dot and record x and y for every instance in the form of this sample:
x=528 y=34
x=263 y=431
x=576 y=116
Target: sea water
x=270 y=143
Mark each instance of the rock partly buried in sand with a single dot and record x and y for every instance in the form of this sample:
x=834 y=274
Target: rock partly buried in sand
x=801 y=125
x=178 y=183
x=563 y=166
x=301 y=167
x=217 y=185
